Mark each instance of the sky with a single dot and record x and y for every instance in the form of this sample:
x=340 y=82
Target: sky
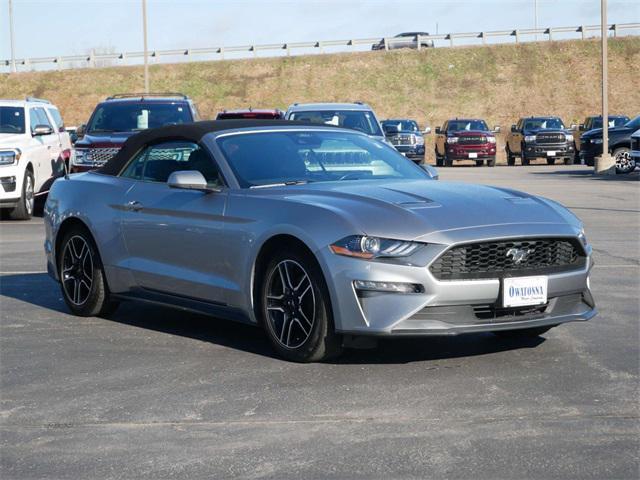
x=68 y=27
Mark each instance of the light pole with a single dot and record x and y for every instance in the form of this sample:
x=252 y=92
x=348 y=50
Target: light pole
x=13 y=52
x=535 y=18
x=146 y=52
x=605 y=165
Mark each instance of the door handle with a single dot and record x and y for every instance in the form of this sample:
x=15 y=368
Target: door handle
x=133 y=206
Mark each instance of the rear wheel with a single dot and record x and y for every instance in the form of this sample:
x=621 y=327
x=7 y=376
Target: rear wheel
x=551 y=161
x=523 y=333
x=295 y=309
x=82 y=278
x=569 y=161
x=624 y=162
x=523 y=158
x=479 y=163
x=439 y=161
x=511 y=160
x=24 y=209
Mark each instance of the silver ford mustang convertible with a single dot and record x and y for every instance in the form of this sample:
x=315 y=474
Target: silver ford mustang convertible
x=318 y=234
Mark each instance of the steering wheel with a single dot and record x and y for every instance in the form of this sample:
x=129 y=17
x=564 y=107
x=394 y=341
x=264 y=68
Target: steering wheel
x=350 y=175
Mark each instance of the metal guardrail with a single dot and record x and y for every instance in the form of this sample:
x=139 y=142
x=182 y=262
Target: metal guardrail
x=92 y=59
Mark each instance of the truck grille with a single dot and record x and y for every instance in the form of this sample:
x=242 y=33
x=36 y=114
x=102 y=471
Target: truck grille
x=550 y=138
x=403 y=139
x=100 y=156
x=472 y=139
x=500 y=258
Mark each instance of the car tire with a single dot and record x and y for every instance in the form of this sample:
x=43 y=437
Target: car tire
x=24 y=209
x=448 y=162
x=294 y=307
x=82 y=278
x=439 y=160
x=523 y=333
x=511 y=160
x=491 y=162
x=479 y=163
x=569 y=161
x=551 y=161
x=624 y=162
x=523 y=158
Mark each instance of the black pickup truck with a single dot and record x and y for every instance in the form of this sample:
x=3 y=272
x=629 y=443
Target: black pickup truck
x=540 y=137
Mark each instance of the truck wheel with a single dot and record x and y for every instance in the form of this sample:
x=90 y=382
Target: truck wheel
x=511 y=161
x=479 y=163
x=624 y=162
x=523 y=158
x=569 y=161
x=551 y=161
x=491 y=162
x=438 y=158
x=448 y=162
x=24 y=209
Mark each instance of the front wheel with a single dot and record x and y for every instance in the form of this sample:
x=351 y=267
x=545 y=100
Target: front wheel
x=24 y=209
x=448 y=162
x=551 y=161
x=479 y=163
x=523 y=158
x=511 y=160
x=569 y=161
x=624 y=162
x=82 y=278
x=524 y=332
x=295 y=309
x=491 y=162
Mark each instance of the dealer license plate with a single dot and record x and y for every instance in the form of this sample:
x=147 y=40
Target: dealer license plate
x=524 y=291
x=473 y=155
x=551 y=154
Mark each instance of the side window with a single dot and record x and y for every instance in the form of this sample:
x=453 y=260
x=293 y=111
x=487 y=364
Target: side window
x=445 y=126
x=157 y=162
x=57 y=118
x=34 y=120
x=39 y=117
x=520 y=123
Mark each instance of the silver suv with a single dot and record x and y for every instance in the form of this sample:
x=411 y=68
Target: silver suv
x=357 y=116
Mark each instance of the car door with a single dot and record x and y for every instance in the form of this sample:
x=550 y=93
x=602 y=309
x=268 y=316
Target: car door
x=45 y=148
x=175 y=237
x=64 y=142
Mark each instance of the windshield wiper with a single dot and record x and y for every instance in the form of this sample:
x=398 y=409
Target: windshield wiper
x=282 y=184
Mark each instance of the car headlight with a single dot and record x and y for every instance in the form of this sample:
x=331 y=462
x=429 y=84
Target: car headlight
x=582 y=237
x=530 y=138
x=452 y=140
x=491 y=139
x=568 y=138
x=362 y=246
x=81 y=156
x=10 y=157
x=597 y=141
x=419 y=140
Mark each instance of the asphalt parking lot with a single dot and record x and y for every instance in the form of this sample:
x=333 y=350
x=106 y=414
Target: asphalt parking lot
x=155 y=393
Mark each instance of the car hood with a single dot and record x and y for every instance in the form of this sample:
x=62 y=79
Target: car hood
x=597 y=132
x=411 y=209
x=11 y=140
x=115 y=139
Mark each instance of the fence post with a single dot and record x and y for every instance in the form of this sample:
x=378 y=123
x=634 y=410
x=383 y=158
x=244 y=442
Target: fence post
x=550 y=34
x=517 y=33
x=221 y=53
x=92 y=58
x=615 y=30
x=418 y=42
x=386 y=44
x=582 y=29
x=450 y=40
x=321 y=47
x=59 y=62
x=484 y=38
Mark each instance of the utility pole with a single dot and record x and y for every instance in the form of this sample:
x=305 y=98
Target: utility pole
x=535 y=17
x=146 y=52
x=605 y=165
x=13 y=51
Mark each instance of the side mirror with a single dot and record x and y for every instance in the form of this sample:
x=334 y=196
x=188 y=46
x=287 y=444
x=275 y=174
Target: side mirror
x=573 y=127
x=80 y=131
x=514 y=128
x=581 y=127
x=427 y=130
x=431 y=171
x=496 y=129
x=438 y=131
x=42 y=130
x=188 y=180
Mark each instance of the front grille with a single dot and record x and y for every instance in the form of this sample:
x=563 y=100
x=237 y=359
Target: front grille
x=550 y=138
x=505 y=258
x=101 y=155
x=493 y=312
x=472 y=139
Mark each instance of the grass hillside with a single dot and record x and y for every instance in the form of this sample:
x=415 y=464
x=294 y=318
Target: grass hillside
x=498 y=83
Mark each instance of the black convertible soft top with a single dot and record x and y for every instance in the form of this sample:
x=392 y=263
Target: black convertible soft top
x=188 y=132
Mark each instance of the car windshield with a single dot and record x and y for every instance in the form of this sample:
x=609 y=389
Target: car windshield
x=635 y=123
x=289 y=157
x=12 y=120
x=543 y=124
x=613 y=122
x=457 y=125
x=355 y=119
x=400 y=125
x=128 y=117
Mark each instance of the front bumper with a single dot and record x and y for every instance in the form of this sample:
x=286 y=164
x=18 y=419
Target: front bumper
x=562 y=150
x=444 y=307
x=11 y=180
x=471 y=152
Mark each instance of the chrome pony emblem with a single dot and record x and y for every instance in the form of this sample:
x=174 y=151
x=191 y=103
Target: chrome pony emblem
x=519 y=255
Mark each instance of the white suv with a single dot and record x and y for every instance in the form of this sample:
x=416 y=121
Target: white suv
x=34 y=147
